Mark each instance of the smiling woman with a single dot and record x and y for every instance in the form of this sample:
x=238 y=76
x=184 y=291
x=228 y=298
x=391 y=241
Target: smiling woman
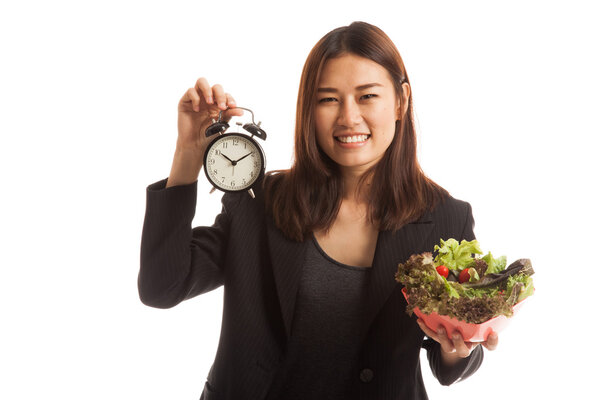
x=354 y=137
x=311 y=307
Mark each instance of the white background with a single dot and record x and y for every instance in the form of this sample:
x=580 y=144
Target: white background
x=506 y=97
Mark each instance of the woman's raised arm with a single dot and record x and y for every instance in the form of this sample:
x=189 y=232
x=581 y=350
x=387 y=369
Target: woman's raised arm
x=197 y=108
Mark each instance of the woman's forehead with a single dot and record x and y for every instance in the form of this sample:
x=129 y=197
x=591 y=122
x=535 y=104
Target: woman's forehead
x=352 y=71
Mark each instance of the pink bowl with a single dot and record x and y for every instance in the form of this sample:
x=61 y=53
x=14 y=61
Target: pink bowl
x=469 y=332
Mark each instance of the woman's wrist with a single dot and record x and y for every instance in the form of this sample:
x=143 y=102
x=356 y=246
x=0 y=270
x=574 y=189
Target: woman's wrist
x=450 y=359
x=186 y=166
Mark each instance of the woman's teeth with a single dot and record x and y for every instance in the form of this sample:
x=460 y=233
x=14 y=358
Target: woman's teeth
x=352 y=139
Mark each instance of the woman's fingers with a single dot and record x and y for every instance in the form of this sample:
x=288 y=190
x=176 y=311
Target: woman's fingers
x=203 y=88
x=230 y=101
x=454 y=344
x=492 y=341
x=214 y=96
x=439 y=336
x=429 y=332
x=198 y=108
x=192 y=97
x=447 y=345
x=463 y=349
x=213 y=99
x=219 y=96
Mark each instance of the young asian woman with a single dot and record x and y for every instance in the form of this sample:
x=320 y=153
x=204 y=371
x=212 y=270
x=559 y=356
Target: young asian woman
x=311 y=308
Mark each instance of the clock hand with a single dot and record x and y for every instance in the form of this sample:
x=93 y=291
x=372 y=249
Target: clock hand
x=239 y=159
x=230 y=160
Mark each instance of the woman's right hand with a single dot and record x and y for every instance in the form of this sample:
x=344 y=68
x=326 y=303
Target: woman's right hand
x=196 y=110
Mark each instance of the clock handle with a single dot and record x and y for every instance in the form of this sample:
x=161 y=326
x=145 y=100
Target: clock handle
x=216 y=127
x=219 y=126
x=256 y=130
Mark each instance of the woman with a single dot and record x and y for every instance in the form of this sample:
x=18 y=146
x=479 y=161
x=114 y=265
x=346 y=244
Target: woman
x=311 y=307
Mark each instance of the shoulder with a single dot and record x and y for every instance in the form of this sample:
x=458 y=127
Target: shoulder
x=449 y=209
x=272 y=180
x=244 y=202
x=451 y=205
x=453 y=218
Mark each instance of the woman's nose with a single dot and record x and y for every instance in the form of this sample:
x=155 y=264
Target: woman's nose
x=349 y=115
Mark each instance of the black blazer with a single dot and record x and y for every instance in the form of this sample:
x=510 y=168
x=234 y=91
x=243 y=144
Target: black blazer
x=260 y=270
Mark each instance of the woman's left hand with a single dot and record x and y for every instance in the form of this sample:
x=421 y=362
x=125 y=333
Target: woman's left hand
x=457 y=347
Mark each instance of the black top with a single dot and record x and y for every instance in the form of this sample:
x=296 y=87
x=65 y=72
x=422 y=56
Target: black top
x=324 y=346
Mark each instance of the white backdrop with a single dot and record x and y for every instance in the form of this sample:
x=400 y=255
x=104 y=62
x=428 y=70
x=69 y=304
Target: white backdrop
x=506 y=97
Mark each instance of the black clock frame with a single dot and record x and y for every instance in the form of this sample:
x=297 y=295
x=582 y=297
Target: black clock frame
x=262 y=161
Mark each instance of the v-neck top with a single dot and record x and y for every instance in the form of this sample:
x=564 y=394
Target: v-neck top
x=322 y=354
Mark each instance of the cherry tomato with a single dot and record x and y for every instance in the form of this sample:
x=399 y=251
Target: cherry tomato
x=443 y=271
x=464 y=276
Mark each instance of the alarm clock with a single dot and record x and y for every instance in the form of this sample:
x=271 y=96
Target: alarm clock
x=234 y=162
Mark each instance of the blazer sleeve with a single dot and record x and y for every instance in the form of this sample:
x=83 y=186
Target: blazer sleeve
x=176 y=261
x=467 y=366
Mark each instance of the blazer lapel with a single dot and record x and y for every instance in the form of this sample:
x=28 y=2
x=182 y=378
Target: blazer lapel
x=392 y=248
x=287 y=258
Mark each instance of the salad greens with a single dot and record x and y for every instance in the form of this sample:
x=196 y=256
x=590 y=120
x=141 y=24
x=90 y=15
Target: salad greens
x=477 y=288
x=494 y=265
x=454 y=255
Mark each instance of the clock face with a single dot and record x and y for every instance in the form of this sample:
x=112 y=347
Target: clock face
x=233 y=162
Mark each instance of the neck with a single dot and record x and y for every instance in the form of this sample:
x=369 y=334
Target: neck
x=351 y=180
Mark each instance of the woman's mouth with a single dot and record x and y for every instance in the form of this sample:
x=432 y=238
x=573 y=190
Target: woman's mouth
x=352 y=138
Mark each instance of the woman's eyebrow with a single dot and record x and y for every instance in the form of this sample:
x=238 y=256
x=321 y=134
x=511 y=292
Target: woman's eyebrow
x=361 y=87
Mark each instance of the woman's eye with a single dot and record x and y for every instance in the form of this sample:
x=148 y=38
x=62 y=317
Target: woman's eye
x=368 y=96
x=327 y=99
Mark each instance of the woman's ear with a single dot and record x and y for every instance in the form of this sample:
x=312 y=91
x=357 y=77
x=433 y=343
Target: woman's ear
x=404 y=103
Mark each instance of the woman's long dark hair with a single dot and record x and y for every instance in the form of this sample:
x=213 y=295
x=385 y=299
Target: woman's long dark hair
x=307 y=197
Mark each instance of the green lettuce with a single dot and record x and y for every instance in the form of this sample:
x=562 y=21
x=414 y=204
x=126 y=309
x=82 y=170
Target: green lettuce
x=473 y=275
x=456 y=256
x=523 y=279
x=495 y=265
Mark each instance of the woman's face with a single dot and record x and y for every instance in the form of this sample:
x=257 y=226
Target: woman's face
x=356 y=112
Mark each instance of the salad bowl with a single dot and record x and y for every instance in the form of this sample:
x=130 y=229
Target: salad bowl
x=470 y=332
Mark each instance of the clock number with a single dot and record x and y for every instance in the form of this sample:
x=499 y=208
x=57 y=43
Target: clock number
x=211 y=161
x=215 y=171
x=222 y=179
x=225 y=145
x=236 y=141
x=232 y=183
x=218 y=152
